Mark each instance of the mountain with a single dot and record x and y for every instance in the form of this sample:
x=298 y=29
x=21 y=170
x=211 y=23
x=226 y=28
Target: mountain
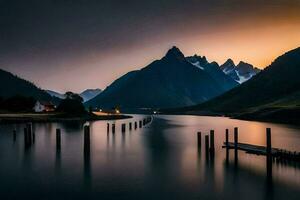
x=169 y=82
x=55 y=94
x=240 y=73
x=88 y=94
x=273 y=94
x=213 y=69
x=12 y=85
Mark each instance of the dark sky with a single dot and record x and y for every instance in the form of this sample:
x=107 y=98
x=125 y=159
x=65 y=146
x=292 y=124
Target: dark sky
x=77 y=44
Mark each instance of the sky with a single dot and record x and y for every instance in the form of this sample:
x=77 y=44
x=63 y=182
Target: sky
x=72 y=45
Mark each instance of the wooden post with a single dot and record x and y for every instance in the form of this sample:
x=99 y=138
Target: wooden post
x=226 y=137
x=212 y=141
x=140 y=123
x=107 y=128
x=58 y=139
x=123 y=128
x=33 y=137
x=135 y=125
x=86 y=139
x=130 y=125
x=113 y=128
x=25 y=137
x=236 y=146
x=199 y=139
x=206 y=144
x=29 y=133
x=236 y=138
x=269 y=144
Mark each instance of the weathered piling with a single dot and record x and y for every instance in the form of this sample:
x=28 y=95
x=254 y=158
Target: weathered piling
x=130 y=126
x=113 y=128
x=29 y=132
x=58 y=139
x=144 y=122
x=206 y=144
x=236 y=138
x=269 y=153
x=86 y=139
x=199 y=139
x=268 y=141
x=135 y=125
x=27 y=140
x=236 y=146
x=212 y=141
x=33 y=137
x=123 y=128
x=140 y=123
x=14 y=135
x=226 y=137
x=107 y=128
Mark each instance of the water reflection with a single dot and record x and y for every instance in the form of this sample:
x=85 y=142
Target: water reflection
x=160 y=161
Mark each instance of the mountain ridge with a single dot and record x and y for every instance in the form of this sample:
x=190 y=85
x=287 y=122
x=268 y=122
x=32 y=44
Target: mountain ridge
x=273 y=93
x=170 y=81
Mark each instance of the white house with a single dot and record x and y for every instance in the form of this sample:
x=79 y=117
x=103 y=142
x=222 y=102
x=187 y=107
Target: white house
x=41 y=106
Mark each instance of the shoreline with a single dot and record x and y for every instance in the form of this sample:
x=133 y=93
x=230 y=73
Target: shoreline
x=43 y=117
x=241 y=117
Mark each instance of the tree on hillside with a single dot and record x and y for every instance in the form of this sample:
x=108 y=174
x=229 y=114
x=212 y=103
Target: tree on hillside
x=72 y=104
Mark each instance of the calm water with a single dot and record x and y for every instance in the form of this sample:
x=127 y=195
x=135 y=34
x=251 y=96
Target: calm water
x=159 y=161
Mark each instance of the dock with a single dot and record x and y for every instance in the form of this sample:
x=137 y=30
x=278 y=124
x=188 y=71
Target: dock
x=274 y=153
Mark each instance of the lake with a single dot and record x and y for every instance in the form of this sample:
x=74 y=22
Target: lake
x=158 y=161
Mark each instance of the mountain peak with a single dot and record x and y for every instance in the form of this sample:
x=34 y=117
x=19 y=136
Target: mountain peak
x=175 y=53
x=229 y=62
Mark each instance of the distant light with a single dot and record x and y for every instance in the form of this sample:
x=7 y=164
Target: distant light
x=100 y=110
x=154 y=112
x=117 y=111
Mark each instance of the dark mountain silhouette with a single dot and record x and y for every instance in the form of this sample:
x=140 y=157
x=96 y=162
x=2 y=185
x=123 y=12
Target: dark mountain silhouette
x=12 y=85
x=274 y=93
x=170 y=82
x=240 y=73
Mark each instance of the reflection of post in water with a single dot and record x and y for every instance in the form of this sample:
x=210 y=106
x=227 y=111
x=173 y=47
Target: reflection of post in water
x=14 y=135
x=269 y=164
x=86 y=140
x=86 y=156
x=58 y=139
x=123 y=140
x=28 y=136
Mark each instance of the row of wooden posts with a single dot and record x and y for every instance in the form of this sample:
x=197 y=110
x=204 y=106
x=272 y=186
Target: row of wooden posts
x=209 y=141
x=29 y=135
x=131 y=125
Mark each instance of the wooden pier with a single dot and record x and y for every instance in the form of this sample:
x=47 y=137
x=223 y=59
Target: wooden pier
x=274 y=153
